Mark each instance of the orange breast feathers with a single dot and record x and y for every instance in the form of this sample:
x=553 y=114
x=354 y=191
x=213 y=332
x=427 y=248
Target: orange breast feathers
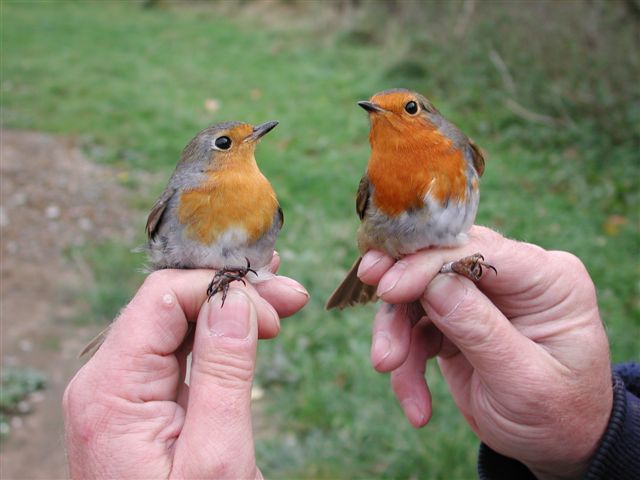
x=240 y=198
x=406 y=163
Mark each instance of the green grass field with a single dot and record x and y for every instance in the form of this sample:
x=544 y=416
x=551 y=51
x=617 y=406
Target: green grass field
x=132 y=84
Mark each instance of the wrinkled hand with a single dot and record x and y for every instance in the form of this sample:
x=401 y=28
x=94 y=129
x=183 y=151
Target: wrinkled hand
x=524 y=352
x=128 y=412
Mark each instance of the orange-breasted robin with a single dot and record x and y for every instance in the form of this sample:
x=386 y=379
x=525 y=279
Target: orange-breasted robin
x=218 y=211
x=421 y=188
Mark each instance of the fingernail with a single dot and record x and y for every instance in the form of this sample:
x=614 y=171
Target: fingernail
x=413 y=412
x=233 y=320
x=369 y=260
x=291 y=283
x=391 y=278
x=381 y=348
x=274 y=314
x=445 y=294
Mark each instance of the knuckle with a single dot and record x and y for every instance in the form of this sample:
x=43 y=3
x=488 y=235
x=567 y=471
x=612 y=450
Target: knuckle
x=78 y=394
x=471 y=304
x=568 y=261
x=571 y=268
x=80 y=413
x=69 y=397
x=229 y=370
x=483 y=330
x=157 y=278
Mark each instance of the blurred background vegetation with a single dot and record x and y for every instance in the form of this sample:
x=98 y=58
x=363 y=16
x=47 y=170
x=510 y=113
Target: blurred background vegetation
x=548 y=89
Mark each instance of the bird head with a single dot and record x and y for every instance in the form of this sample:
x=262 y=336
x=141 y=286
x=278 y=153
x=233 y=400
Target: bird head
x=225 y=143
x=401 y=116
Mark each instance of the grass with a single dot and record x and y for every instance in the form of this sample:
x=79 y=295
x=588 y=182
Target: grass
x=131 y=84
x=15 y=386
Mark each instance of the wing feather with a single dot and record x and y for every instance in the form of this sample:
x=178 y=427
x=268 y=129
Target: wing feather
x=157 y=211
x=281 y=216
x=362 y=198
x=477 y=156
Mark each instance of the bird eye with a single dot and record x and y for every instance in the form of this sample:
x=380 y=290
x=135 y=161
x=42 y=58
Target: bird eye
x=222 y=143
x=411 y=107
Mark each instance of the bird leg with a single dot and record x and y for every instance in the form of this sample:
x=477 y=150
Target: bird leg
x=470 y=267
x=224 y=277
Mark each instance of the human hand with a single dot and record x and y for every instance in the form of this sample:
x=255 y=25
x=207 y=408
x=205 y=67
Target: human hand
x=128 y=412
x=524 y=352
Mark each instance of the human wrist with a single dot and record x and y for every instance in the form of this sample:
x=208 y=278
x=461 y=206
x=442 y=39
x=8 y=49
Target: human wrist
x=567 y=452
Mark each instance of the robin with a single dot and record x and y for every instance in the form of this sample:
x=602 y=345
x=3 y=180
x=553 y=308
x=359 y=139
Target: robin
x=421 y=188
x=218 y=211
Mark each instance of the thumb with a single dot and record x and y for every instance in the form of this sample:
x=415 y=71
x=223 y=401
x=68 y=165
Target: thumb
x=216 y=440
x=486 y=338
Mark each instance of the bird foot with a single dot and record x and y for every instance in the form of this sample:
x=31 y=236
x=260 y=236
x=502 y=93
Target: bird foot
x=470 y=267
x=226 y=275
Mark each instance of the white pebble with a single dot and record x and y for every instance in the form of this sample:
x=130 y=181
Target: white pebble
x=17 y=423
x=85 y=224
x=23 y=406
x=25 y=345
x=52 y=212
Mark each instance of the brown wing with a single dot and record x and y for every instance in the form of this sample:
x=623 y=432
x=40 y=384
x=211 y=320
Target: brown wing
x=153 y=221
x=362 y=198
x=281 y=215
x=477 y=157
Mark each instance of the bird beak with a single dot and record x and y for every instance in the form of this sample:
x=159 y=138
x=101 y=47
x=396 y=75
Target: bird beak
x=261 y=130
x=371 y=107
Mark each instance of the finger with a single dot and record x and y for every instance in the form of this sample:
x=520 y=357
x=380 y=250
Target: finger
x=458 y=373
x=216 y=439
x=517 y=264
x=285 y=294
x=373 y=266
x=152 y=327
x=268 y=318
x=482 y=333
x=136 y=362
x=391 y=337
x=406 y=280
x=408 y=381
x=161 y=292
x=274 y=265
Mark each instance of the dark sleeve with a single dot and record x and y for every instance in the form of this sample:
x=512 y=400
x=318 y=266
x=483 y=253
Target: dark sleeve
x=617 y=456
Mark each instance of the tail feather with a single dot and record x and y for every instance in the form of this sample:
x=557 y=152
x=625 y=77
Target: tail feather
x=351 y=291
x=92 y=347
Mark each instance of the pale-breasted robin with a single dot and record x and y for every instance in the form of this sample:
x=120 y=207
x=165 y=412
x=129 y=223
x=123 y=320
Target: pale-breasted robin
x=218 y=211
x=421 y=188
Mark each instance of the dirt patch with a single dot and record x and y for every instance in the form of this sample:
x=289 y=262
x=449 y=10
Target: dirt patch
x=51 y=199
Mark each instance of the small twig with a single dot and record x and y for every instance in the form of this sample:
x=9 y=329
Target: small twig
x=465 y=18
x=521 y=111
x=502 y=68
x=511 y=104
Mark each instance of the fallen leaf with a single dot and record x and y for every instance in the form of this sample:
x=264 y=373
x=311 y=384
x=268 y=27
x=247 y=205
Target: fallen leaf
x=211 y=105
x=613 y=224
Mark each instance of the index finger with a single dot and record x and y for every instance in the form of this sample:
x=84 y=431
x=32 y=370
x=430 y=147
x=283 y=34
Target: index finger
x=517 y=264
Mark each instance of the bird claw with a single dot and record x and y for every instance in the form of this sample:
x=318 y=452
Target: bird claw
x=470 y=267
x=224 y=277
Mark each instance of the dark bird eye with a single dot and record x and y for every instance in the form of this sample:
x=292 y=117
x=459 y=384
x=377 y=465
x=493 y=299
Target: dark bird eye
x=223 y=143
x=411 y=107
